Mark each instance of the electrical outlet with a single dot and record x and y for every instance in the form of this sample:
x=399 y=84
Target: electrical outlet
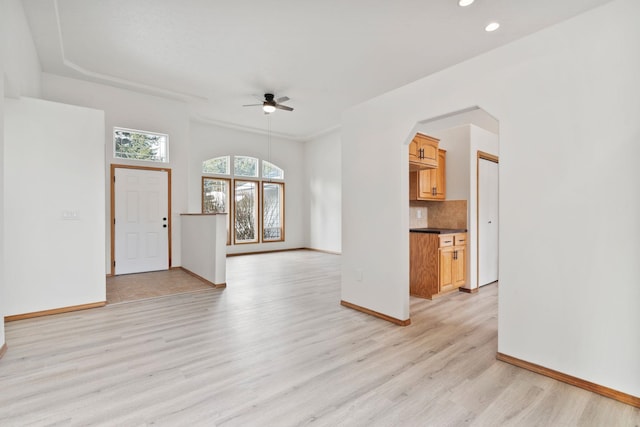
x=419 y=213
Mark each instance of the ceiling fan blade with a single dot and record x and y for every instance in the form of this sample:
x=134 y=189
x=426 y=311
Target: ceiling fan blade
x=282 y=99
x=252 y=105
x=283 y=107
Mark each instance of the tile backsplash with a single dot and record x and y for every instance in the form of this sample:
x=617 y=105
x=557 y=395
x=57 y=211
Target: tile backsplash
x=447 y=214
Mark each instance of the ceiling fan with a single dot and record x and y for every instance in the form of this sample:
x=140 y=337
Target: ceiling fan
x=269 y=105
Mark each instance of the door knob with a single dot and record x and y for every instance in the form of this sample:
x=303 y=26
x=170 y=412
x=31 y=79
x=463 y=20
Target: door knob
x=164 y=219
x=164 y=225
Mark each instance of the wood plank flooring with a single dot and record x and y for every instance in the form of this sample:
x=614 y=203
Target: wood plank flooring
x=275 y=348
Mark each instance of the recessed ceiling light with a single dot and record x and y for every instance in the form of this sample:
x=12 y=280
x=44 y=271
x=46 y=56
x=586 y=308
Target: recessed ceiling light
x=492 y=27
x=465 y=3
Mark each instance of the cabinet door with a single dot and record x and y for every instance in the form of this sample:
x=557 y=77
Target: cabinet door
x=426 y=183
x=429 y=151
x=440 y=176
x=445 y=266
x=413 y=152
x=423 y=152
x=429 y=184
x=459 y=266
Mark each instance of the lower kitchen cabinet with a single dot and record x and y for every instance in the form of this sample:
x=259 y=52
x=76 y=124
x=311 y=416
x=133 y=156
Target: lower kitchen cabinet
x=452 y=264
x=437 y=263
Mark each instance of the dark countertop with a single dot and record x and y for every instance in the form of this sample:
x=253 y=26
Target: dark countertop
x=438 y=230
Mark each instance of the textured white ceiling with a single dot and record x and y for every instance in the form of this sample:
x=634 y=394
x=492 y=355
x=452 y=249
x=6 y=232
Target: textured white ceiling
x=325 y=55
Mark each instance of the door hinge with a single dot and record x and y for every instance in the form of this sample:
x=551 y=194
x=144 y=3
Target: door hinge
x=114 y=221
x=114 y=263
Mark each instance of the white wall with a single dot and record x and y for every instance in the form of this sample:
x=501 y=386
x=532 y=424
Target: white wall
x=204 y=246
x=209 y=140
x=19 y=75
x=54 y=155
x=470 y=116
x=2 y=275
x=124 y=108
x=323 y=167
x=22 y=66
x=568 y=172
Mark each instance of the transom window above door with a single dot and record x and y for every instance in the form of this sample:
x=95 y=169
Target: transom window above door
x=140 y=145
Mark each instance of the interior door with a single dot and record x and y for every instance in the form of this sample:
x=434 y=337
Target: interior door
x=141 y=220
x=487 y=221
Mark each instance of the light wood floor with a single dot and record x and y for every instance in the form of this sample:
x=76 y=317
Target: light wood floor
x=275 y=348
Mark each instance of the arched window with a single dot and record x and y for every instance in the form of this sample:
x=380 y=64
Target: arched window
x=245 y=166
x=217 y=165
x=257 y=205
x=271 y=171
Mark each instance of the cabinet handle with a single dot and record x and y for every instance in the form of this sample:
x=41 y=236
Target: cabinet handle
x=455 y=254
x=421 y=153
x=433 y=191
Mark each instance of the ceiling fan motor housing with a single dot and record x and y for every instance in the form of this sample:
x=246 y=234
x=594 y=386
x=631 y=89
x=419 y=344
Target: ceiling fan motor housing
x=269 y=99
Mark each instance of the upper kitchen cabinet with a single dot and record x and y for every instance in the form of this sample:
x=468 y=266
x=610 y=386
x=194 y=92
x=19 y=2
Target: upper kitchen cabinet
x=423 y=152
x=429 y=184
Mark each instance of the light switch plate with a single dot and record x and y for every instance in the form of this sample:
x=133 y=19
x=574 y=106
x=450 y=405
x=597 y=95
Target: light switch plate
x=73 y=215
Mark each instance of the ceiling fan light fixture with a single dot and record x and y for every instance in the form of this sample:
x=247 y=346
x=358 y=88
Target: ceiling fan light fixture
x=465 y=3
x=271 y=104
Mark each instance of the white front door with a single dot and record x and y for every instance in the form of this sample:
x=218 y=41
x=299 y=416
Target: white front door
x=141 y=224
x=487 y=222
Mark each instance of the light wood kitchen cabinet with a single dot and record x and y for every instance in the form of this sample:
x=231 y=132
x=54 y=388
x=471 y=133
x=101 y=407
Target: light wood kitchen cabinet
x=429 y=184
x=452 y=264
x=437 y=263
x=423 y=152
